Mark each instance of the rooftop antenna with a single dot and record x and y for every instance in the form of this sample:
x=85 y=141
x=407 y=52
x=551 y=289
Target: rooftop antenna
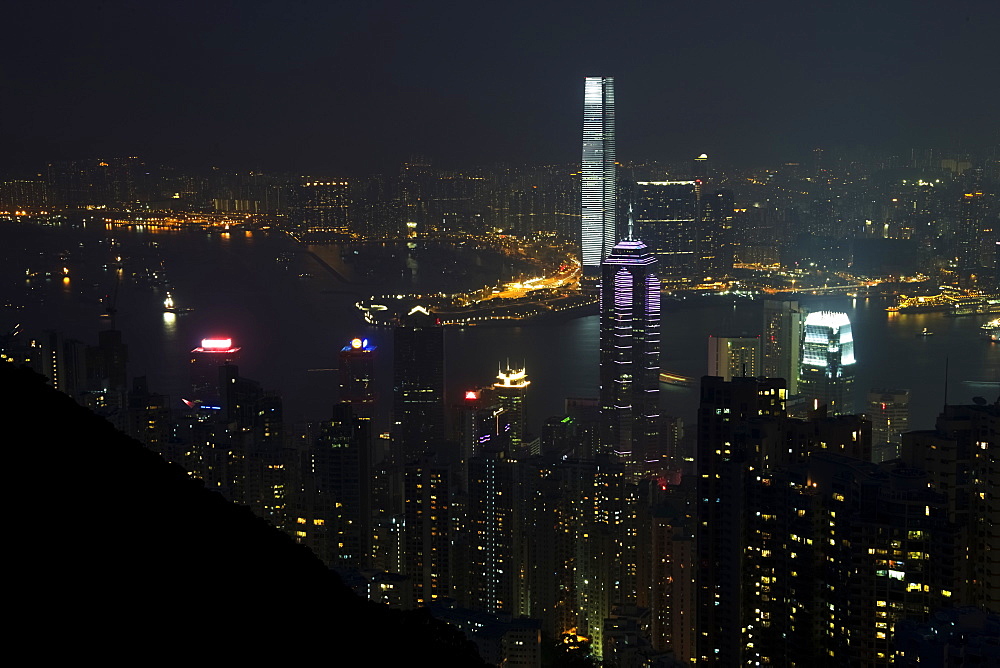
x=631 y=222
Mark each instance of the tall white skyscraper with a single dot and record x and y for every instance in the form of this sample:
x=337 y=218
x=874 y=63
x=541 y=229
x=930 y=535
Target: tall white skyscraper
x=598 y=187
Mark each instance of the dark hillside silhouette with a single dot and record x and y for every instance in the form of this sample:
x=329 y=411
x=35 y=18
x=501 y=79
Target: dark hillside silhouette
x=117 y=555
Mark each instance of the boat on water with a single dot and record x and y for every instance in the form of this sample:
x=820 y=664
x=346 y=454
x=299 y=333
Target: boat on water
x=991 y=330
x=925 y=332
x=950 y=304
x=170 y=307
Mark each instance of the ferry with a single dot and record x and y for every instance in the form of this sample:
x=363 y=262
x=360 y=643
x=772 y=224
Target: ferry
x=170 y=307
x=991 y=330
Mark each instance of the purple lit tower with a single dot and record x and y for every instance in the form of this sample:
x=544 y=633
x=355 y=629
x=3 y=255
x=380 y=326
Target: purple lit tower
x=630 y=353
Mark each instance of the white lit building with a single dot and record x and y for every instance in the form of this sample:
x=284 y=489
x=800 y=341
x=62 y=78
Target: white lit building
x=827 y=374
x=598 y=187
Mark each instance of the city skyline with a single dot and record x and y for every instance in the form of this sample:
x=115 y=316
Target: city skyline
x=615 y=497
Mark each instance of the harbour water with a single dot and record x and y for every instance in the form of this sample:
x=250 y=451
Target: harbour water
x=291 y=318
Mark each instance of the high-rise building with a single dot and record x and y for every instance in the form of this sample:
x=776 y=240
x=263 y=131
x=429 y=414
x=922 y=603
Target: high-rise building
x=782 y=342
x=827 y=375
x=205 y=362
x=667 y=219
x=961 y=458
x=725 y=464
x=357 y=376
x=734 y=356
x=889 y=411
x=418 y=382
x=630 y=352
x=510 y=390
x=598 y=186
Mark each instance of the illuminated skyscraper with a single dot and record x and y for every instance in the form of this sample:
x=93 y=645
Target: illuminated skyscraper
x=205 y=362
x=630 y=352
x=357 y=376
x=598 y=186
x=510 y=388
x=827 y=375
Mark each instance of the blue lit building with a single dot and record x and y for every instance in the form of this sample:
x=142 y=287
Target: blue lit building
x=630 y=352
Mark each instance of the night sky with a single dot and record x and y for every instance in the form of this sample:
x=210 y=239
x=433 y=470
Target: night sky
x=347 y=88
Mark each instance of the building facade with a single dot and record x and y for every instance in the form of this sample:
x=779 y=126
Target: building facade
x=667 y=219
x=630 y=352
x=734 y=356
x=599 y=187
x=827 y=375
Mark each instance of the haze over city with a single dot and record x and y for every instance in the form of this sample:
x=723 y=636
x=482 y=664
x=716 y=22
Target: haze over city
x=349 y=88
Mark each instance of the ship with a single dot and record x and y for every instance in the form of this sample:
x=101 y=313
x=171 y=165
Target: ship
x=170 y=307
x=991 y=330
x=949 y=304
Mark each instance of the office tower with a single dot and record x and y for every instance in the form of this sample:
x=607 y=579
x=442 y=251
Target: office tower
x=630 y=352
x=205 y=362
x=729 y=357
x=827 y=375
x=889 y=411
x=418 y=382
x=598 y=188
x=715 y=238
x=699 y=168
x=782 y=342
x=321 y=206
x=357 y=376
x=510 y=390
x=666 y=217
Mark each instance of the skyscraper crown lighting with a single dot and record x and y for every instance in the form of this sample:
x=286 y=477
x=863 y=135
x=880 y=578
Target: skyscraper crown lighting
x=512 y=378
x=827 y=332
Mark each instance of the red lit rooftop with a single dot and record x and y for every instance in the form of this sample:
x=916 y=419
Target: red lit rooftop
x=216 y=346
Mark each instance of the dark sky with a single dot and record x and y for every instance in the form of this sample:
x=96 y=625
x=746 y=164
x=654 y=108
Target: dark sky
x=342 y=88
